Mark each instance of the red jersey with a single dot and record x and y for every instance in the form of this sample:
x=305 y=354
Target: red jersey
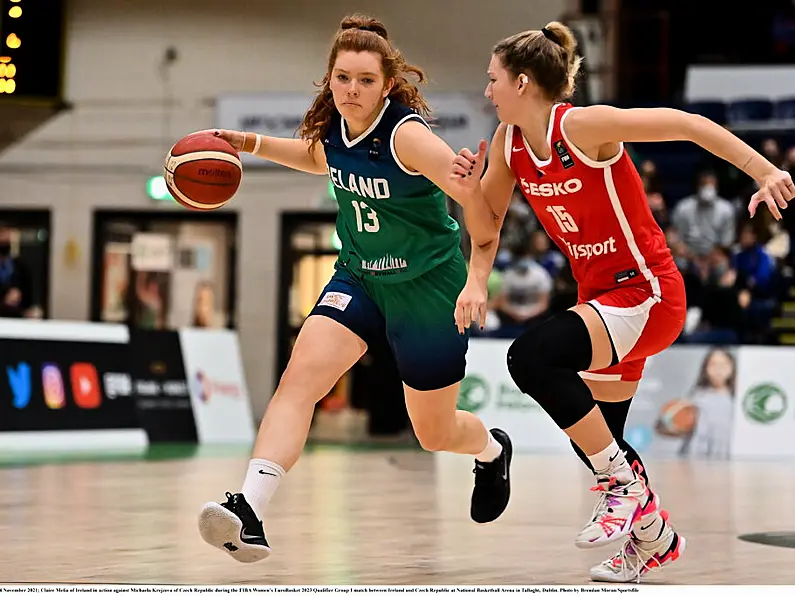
x=595 y=212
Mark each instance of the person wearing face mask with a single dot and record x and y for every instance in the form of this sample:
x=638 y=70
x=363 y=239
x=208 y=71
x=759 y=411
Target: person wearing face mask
x=15 y=290
x=705 y=220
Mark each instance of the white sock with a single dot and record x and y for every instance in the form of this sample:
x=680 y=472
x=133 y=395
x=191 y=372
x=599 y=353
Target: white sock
x=649 y=528
x=611 y=461
x=491 y=451
x=261 y=481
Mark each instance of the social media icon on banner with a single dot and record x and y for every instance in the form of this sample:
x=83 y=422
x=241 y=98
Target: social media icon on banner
x=52 y=382
x=19 y=380
x=85 y=385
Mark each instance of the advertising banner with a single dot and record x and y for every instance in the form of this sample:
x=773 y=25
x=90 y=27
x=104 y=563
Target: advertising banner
x=217 y=385
x=764 y=421
x=684 y=405
x=60 y=376
x=160 y=386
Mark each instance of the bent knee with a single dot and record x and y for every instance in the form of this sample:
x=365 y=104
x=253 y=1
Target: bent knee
x=433 y=439
x=310 y=384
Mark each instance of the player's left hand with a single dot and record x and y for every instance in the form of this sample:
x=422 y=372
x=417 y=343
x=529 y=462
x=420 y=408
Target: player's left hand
x=471 y=306
x=774 y=191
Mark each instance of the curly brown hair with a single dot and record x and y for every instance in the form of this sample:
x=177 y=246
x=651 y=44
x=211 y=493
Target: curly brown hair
x=359 y=33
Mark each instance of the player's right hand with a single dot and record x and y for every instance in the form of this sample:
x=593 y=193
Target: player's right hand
x=233 y=137
x=468 y=167
x=775 y=191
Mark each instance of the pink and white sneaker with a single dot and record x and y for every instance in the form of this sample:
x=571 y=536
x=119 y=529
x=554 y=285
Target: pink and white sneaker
x=636 y=558
x=620 y=505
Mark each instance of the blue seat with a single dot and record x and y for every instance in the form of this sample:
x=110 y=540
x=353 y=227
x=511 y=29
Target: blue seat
x=749 y=110
x=714 y=110
x=784 y=109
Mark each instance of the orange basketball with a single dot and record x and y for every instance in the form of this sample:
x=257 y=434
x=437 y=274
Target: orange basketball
x=203 y=171
x=677 y=418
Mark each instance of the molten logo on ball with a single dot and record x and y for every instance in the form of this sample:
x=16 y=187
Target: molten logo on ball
x=215 y=172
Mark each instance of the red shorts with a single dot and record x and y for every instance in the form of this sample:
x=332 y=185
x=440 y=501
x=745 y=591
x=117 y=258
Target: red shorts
x=642 y=320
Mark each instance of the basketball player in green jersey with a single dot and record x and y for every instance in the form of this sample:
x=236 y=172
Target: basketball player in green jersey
x=399 y=273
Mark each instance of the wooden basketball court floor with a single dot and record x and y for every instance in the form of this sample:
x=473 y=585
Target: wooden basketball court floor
x=381 y=517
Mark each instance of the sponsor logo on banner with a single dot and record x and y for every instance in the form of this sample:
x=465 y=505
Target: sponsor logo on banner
x=19 y=381
x=159 y=384
x=764 y=420
x=473 y=394
x=477 y=393
x=218 y=390
x=54 y=384
x=206 y=388
x=765 y=403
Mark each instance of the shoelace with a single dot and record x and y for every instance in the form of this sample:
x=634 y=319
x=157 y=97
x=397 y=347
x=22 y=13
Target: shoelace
x=483 y=477
x=621 y=561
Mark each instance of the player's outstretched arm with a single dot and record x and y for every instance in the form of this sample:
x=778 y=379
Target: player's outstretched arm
x=293 y=153
x=420 y=150
x=495 y=190
x=593 y=126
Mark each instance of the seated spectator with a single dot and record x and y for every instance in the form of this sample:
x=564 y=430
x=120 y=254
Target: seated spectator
x=564 y=293
x=659 y=210
x=519 y=222
x=524 y=295
x=756 y=282
x=771 y=151
x=541 y=250
x=720 y=316
x=705 y=220
x=755 y=267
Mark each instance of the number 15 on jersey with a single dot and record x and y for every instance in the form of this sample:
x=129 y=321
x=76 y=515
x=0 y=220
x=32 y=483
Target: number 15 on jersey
x=563 y=218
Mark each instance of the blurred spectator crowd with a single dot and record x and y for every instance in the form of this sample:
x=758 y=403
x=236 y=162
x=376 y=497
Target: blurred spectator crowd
x=737 y=270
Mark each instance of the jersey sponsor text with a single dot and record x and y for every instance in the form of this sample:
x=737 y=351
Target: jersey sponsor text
x=586 y=251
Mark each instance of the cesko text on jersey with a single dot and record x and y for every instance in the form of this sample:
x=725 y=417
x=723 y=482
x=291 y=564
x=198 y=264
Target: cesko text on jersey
x=552 y=189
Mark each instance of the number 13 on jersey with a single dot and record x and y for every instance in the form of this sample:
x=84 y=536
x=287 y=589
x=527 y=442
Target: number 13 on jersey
x=363 y=209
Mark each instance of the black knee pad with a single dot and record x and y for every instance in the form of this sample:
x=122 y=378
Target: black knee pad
x=544 y=363
x=616 y=414
x=560 y=342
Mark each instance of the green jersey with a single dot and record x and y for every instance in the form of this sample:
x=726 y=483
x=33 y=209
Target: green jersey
x=393 y=223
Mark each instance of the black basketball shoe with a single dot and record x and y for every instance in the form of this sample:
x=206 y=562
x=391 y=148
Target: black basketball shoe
x=234 y=528
x=492 y=482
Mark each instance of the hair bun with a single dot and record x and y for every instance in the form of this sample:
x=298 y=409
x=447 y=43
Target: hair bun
x=364 y=23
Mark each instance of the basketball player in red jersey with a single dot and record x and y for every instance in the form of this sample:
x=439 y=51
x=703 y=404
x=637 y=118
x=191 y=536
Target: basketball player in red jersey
x=583 y=366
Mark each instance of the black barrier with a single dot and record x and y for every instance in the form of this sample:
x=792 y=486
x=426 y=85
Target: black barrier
x=159 y=385
x=50 y=384
x=83 y=384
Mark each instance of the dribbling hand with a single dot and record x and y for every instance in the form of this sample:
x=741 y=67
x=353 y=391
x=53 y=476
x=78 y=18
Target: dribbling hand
x=468 y=168
x=774 y=191
x=233 y=137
